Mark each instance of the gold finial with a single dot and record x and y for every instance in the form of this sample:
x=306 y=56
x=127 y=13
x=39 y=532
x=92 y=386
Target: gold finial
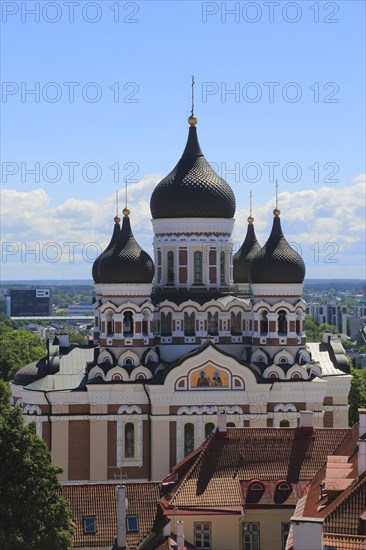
x=192 y=121
x=117 y=219
x=250 y=219
x=126 y=212
x=276 y=211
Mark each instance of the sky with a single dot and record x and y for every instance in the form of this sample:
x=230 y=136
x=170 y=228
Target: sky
x=95 y=94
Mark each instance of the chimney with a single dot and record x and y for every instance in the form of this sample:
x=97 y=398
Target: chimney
x=221 y=421
x=121 y=517
x=326 y=336
x=307 y=421
x=362 y=442
x=307 y=533
x=180 y=535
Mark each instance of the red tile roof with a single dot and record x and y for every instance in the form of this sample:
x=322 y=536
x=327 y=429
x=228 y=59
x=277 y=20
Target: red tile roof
x=99 y=499
x=270 y=454
x=343 y=542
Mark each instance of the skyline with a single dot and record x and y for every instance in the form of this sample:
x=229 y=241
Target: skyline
x=304 y=129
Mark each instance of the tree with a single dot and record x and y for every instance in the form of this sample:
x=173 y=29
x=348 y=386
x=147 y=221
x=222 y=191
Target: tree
x=17 y=349
x=357 y=394
x=33 y=516
x=311 y=329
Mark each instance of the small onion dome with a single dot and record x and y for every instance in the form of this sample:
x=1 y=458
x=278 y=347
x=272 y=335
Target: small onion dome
x=30 y=373
x=277 y=262
x=244 y=256
x=192 y=189
x=125 y=261
x=114 y=239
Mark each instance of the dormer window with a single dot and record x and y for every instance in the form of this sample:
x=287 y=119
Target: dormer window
x=255 y=492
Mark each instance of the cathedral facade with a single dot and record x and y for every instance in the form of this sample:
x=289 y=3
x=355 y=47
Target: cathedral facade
x=178 y=338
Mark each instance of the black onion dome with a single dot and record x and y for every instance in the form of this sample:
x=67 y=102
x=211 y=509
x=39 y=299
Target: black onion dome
x=192 y=189
x=114 y=239
x=277 y=262
x=125 y=261
x=244 y=256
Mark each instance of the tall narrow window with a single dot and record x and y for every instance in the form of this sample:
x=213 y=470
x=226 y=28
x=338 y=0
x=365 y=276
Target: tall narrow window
x=251 y=536
x=202 y=535
x=264 y=323
x=197 y=260
x=282 y=322
x=188 y=438
x=235 y=323
x=110 y=323
x=128 y=323
x=209 y=428
x=189 y=324
x=213 y=323
x=129 y=440
x=222 y=267
x=166 y=324
x=170 y=264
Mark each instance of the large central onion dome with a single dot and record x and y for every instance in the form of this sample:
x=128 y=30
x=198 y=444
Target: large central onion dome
x=277 y=261
x=244 y=256
x=123 y=261
x=192 y=189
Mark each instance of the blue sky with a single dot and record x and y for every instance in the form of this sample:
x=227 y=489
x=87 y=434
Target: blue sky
x=302 y=61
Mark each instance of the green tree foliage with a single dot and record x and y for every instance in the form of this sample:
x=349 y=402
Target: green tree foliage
x=17 y=348
x=362 y=349
x=79 y=339
x=33 y=516
x=311 y=330
x=357 y=395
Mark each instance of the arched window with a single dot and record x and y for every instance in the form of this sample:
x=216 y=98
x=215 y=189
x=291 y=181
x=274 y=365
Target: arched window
x=166 y=324
x=222 y=267
x=116 y=377
x=213 y=324
x=261 y=359
x=283 y=360
x=188 y=438
x=145 y=323
x=282 y=322
x=129 y=440
x=230 y=425
x=128 y=323
x=141 y=376
x=264 y=323
x=296 y=376
x=298 y=325
x=109 y=323
x=189 y=324
x=197 y=263
x=284 y=424
x=235 y=323
x=273 y=375
x=128 y=361
x=209 y=428
x=170 y=267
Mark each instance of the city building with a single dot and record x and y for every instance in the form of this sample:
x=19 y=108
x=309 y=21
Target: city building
x=29 y=302
x=84 y=308
x=178 y=338
x=330 y=313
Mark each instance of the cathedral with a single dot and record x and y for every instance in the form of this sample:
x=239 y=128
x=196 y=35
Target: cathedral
x=196 y=330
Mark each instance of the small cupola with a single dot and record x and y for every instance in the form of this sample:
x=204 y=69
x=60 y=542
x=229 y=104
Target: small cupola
x=248 y=250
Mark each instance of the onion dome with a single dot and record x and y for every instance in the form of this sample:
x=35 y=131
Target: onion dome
x=30 y=373
x=192 y=189
x=244 y=256
x=277 y=261
x=114 y=239
x=125 y=261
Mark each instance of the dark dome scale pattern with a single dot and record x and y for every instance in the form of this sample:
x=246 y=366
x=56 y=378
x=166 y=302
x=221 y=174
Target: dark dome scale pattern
x=277 y=261
x=115 y=235
x=244 y=256
x=125 y=261
x=192 y=189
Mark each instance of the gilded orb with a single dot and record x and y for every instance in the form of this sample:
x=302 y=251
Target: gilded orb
x=276 y=213
x=117 y=219
x=192 y=121
x=250 y=219
x=126 y=212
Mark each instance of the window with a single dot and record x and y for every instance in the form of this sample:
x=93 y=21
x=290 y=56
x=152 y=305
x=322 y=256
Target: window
x=264 y=323
x=235 y=323
x=89 y=525
x=128 y=361
x=188 y=438
x=222 y=267
x=284 y=424
x=166 y=324
x=273 y=375
x=140 y=376
x=285 y=528
x=189 y=324
x=296 y=376
x=209 y=428
x=213 y=324
x=129 y=440
x=202 y=535
x=230 y=425
x=116 y=377
x=251 y=536
x=197 y=262
x=128 y=323
x=132 y=524
x=170 y=265
x=110 y=323
x=283 y=360
x=282 y=322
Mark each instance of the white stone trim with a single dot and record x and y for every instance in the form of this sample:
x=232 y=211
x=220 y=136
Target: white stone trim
x=277 y=289
x=117 y=370
x=125 y=289
x=286 y=354
x=175 y=226
x=125 y=415
x=140 y=370
x=34 y=409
